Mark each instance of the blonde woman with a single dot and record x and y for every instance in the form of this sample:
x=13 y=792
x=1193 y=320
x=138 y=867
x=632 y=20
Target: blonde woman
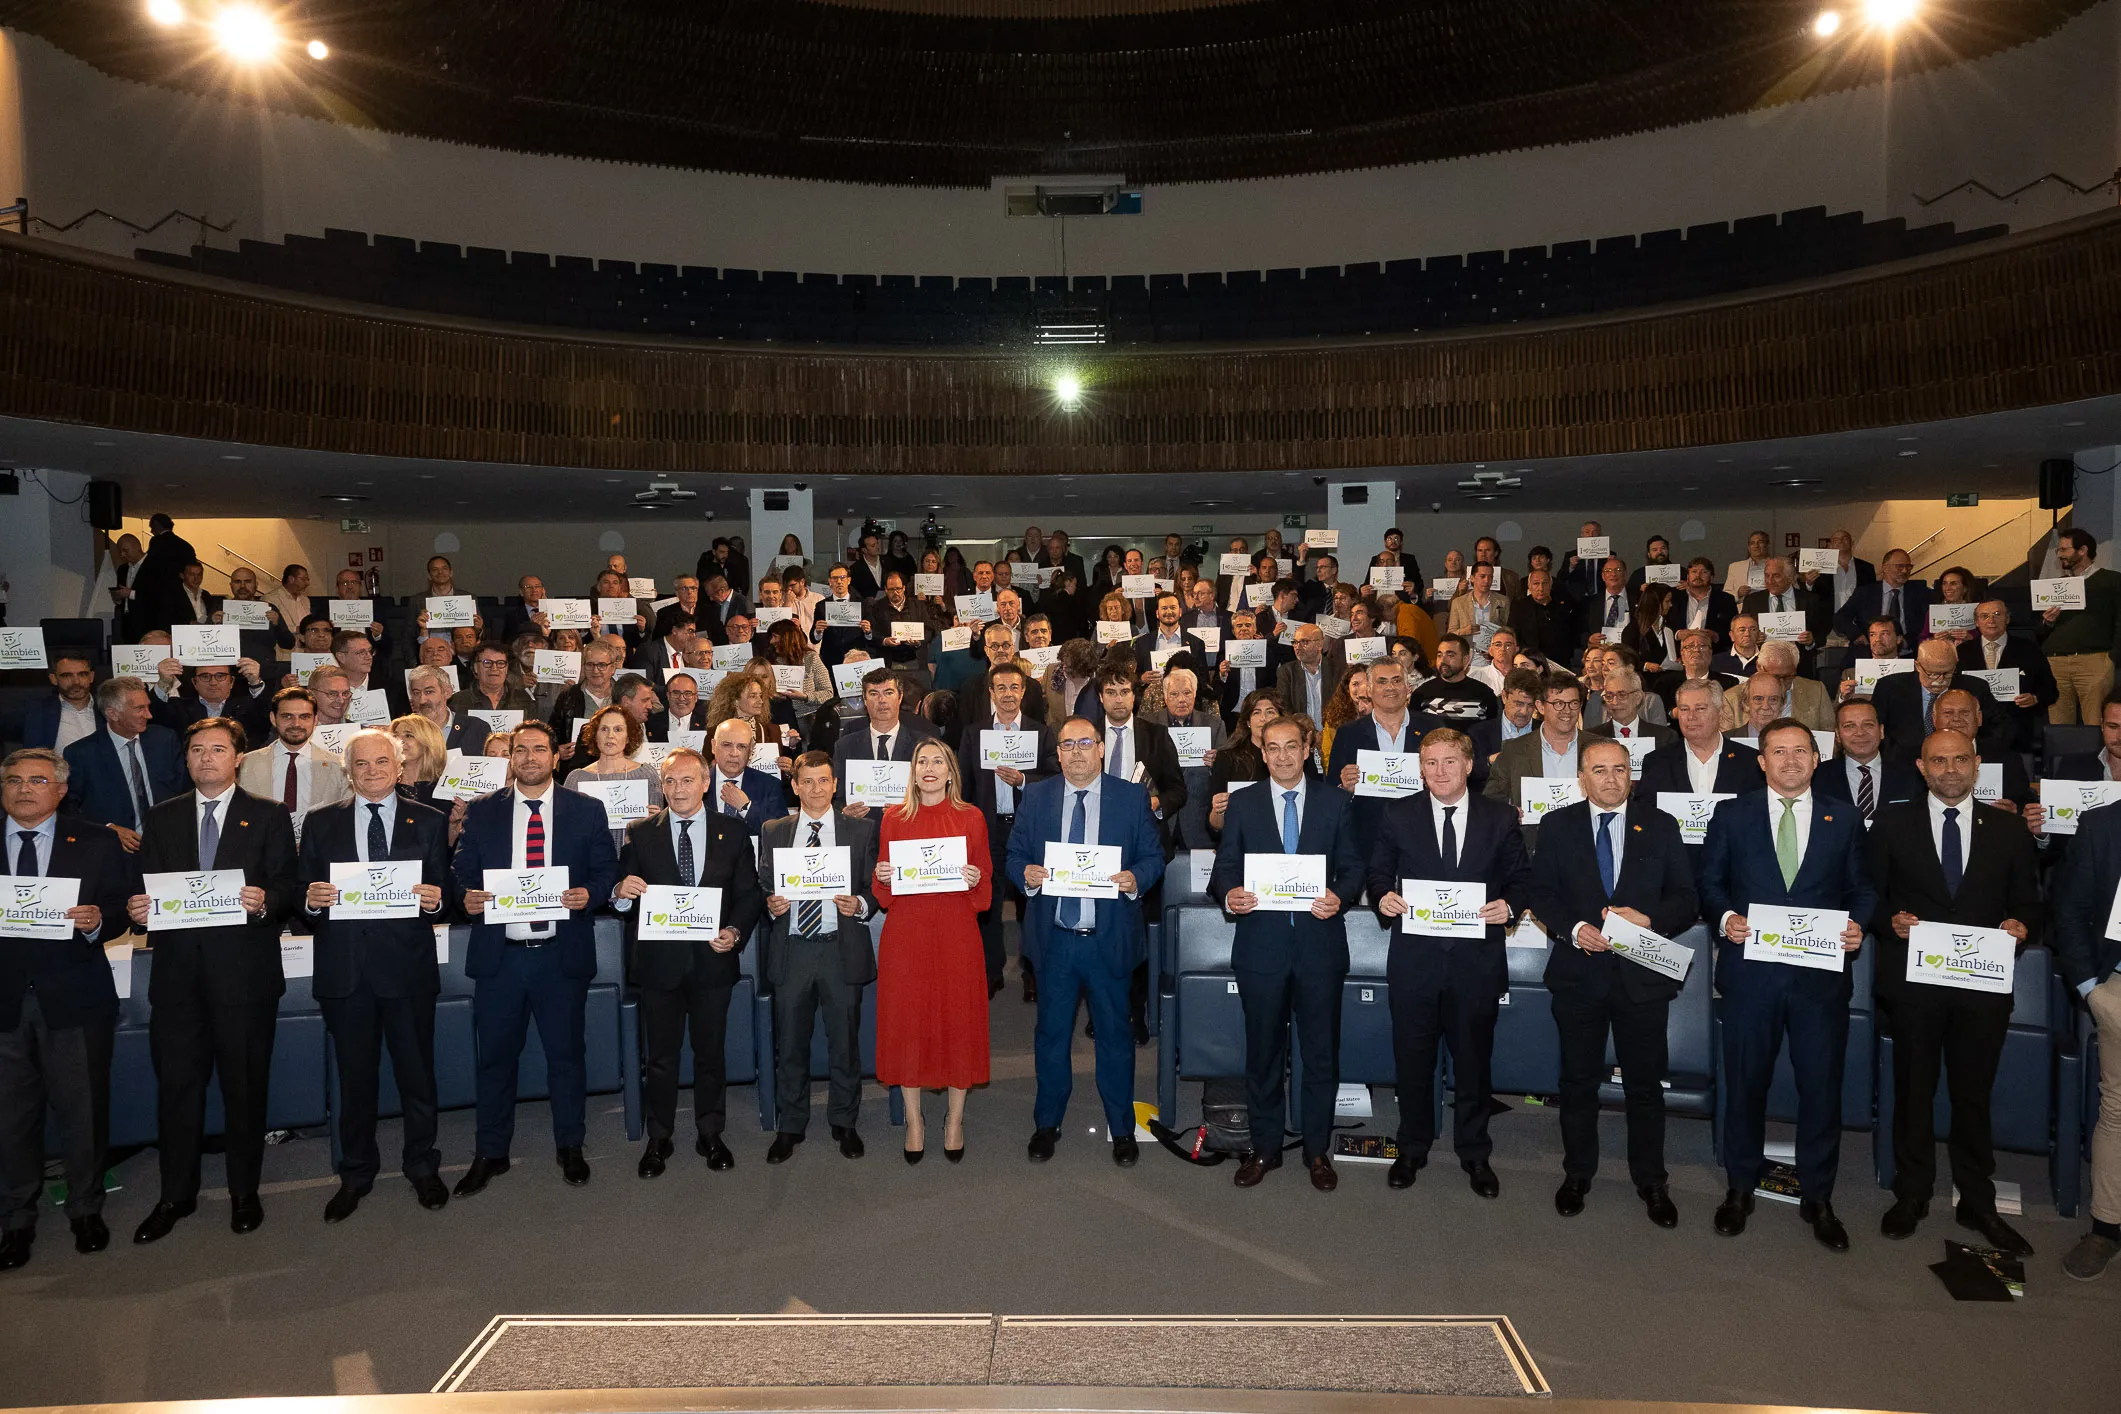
x=931 y=972
x=423 y=749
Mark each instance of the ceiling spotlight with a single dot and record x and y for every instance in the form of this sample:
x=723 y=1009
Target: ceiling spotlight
x=245 y=32
x=1068 y=389
x=318 y=49
x=1828 y=24
x=1889 y=14
x=165 y=12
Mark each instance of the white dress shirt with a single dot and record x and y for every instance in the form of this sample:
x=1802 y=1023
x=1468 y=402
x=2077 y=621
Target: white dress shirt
x=1774 y=822
x=200 y=800
x=1437 y=807
x=305 y=773
x=1700 y=774
x=1004 y=793
x=521 y=824
x=1619 y=835
x=75 y=723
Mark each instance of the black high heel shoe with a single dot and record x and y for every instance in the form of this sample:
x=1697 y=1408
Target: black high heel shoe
x=914 y=1156
x=956 y=1155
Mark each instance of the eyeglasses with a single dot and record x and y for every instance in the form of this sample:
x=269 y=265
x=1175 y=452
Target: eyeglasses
x=1078 y=743
x=33 y=782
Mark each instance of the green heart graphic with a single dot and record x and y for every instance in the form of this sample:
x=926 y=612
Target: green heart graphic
x=1771 y=938
x=1422 y=914
x=506 y=900
x=659 y=919
x=2063 y=812
x=1933 y=959
x=349 y=895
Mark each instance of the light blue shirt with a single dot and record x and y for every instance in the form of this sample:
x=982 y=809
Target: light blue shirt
x=1279 y=795
x=1510 y=731
x=1093 y=798
x=362 y=815
x=1558 y=763
x=40 y=845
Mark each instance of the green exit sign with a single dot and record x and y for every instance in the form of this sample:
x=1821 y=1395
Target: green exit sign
x=1966 y=499
x=1203 y=529
x=1295 y=522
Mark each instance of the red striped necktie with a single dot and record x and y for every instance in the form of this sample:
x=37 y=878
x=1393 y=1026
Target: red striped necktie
x=534 y=837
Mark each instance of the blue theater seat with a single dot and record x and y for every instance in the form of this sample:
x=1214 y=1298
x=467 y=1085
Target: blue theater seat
x=2035 y=1106
x=1689 y=1038
x=1527 y=1043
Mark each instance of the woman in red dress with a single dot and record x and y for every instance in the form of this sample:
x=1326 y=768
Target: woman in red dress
x=931 y=974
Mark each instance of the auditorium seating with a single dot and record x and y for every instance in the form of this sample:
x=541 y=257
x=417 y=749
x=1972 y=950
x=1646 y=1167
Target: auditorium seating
x=2034 y=1105
x=1470 y=290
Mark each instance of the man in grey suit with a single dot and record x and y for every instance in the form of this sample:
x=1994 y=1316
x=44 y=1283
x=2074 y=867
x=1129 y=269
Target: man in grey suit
x=1551 y=751
x=818 y=958
x=1306 y=683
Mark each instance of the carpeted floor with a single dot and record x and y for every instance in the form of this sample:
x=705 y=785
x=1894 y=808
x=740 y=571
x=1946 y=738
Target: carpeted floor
x=1609 y=1306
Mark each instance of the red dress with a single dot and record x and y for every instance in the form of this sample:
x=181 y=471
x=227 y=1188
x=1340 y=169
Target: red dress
x=931 y=971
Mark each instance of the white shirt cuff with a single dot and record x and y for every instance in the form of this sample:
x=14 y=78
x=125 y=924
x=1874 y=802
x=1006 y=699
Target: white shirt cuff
x=2084 y=989
x=1728 y=915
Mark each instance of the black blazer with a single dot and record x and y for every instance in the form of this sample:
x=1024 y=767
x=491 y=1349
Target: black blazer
x=1161 y=776
x=975 y=709
x=2002 y=880
x=72 y=978
x=857 y=953
x=1252 y=825
x=1899 y=702
x=1869 y=598
x=239 y=964
x=2034 y=675
x=1590 y=615
x=979 y=781
x=724 y=863
x=1656 y=879
x=2084 y=895
x=1665 y=769
x=1722 y=609
x=1898 y=783
x=394 y=956
x=1490 y=851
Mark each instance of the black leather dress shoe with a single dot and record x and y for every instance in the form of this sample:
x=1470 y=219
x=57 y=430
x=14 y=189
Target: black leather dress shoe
x=1030 y=989
x=655 y=1158
x=1994 y=1231
x=1125 y=1151
x=1732 y=1212
x=431 y=1191
x=1657 y=1199
x=782 y=1149
x=1482 y=1180
x=1403 y=1172
x=159 y=1223
x=1042 y=1142
x=711 y=1148
x=1568 y=1199
x=1141 y=1032
x=1901 y=1220
x=851 y=1145
x=1252 y=1169
x=1825 y=1226
x=14 y=1248
x=482 y=1172
x=342 y=1204
x=245 y=1214
x=90 y=1235
x=573 y=1167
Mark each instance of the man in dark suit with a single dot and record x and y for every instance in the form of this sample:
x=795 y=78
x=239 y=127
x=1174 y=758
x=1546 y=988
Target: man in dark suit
x=1697 y=657
x=889 y=734
x=1788 y=846
x=540 y=969
x=737 y=789
x=219 y=691
x=1906 y=702
x=1893 y=595
x=682 y=709
x=1388 y=727
x=72 y=704
x=1444 y=988
x=1140 y=751
x=688 y=846
x=1289 y=965
x=1947 y=859
x=1234 y=684
x=376 y=979
x=117 y=775
x=1306 y=683
x=1743 y=659
x=998 y=790
x=2088 y=958
x=58 y=1007
x=1608 y=854
x=1703 y=761
x=158 y=598
x=1085 y=945
x=1699 y=604
x=973 y=706
x=1608 y=609
x=215 y=990
x=1992 y=647
x=1783 y=595
x=1861 y=773
x=819 y=956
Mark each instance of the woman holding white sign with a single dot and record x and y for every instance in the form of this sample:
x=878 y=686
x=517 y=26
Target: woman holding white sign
x=931 y=972
x=608 y=741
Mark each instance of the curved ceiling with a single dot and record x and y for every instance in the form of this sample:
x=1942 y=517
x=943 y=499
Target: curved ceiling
x=956 y=92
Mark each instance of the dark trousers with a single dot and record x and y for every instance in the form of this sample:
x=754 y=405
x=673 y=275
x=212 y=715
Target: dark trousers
x=67 y=1068
x=1071 y=966
x=665 y=1013
x=1962 y=1033
x=813 y=980
x=1271 y=998
x=189 y=1040
x=361 y=1025
x=1444 y=993
x=529 y=986
x=990 y=919
x=1755 y=1019
x=1583 y=1021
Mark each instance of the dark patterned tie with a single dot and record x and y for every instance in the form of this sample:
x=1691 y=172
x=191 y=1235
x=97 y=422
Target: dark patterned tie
x=810 y=913
x=687 y=875
x=378 y=841
x=209 y=835
x=1866 y=793
x=287 y=787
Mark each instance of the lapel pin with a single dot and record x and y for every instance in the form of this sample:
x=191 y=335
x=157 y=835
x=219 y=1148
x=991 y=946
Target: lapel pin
x=1828 y=818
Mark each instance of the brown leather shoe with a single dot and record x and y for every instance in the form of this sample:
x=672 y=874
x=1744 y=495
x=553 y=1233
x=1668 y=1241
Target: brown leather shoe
x=1253 y=1168
x=1322 y=1176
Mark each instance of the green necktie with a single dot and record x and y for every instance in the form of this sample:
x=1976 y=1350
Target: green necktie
x=1786 y=843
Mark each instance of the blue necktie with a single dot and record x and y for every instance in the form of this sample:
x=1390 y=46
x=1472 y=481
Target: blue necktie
x=1605 y=850
x=378 y=841
x=1954 y=864
x=1288 y=822
x=26 y=859
x=209 y=836
x=1070 y=914
x=1119 y=749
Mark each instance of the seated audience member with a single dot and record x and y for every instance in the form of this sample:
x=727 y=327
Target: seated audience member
x=1453 y=697
x=69 y=714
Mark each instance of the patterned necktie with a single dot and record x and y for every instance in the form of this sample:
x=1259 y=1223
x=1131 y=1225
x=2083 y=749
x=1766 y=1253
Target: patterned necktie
x=687 y=875
x=1892 y=605
x=138 y=779
x=1450 y=837
x=1606 y=872
x=1070 y=913
x=1954 y=861
x=1119 y=750
x=1288 y=822
x=378 y=842
x=1992 y=650
x=811 y=911
x=534 y=837
x=1612 y=611
x=729 y=808
x=26 y=857
x=1786 y=854
x=209 y=835
x=1866 y=792
x=1929 y=705
x=287 y=787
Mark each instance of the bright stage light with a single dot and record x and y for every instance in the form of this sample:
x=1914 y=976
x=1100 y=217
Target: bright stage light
x=1889 y=14
x=1069 y=389
x=1828 y=24
x=245 y=32
x=165 y=12
x=318 y=49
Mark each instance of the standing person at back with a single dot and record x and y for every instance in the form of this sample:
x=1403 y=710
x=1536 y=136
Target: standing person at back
x=2082 y=644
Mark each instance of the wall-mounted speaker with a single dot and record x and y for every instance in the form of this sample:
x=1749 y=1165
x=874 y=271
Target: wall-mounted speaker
x=106 y=505
x=2058 y=483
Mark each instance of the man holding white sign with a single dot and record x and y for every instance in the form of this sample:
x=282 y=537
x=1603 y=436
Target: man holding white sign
x=1791 y=849
x=1444 y=987
x=2081 y=644
x=1950 y=874
x=2087 y=941
x=1291 y=949
x=376 y=879
x=1610 y=857
x=66 y=891
x=1006 y=751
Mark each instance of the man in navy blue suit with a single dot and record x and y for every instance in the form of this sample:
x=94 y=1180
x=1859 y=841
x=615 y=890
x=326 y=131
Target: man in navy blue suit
x=130 y=765
x=527 y=970
x=1444 y=989
x=1787 y=845
x=1893 y=595
x=69 y=714
x=1860 y=772
x=1085 y=945
x=1387 y=727
x=1289 y=963
x=736 y=788
x=889 y=734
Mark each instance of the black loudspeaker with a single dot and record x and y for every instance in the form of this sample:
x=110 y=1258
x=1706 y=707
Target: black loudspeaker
x=106 y=505
x=2058 y=483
